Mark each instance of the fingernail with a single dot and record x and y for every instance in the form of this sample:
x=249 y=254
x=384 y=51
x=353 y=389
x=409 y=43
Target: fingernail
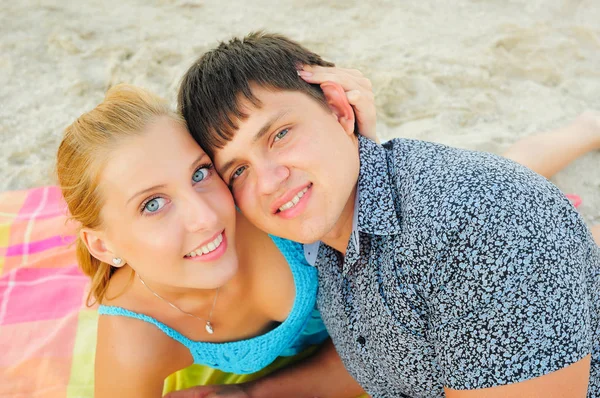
x=304 y=73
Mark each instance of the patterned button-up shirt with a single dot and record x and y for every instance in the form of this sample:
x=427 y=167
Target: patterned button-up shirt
x=467 y=271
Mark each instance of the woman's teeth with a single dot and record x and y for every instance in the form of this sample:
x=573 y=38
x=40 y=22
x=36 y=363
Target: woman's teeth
x=207 y=248
x=294 y=201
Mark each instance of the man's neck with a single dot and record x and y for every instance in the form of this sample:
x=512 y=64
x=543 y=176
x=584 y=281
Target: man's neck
x=339 y=236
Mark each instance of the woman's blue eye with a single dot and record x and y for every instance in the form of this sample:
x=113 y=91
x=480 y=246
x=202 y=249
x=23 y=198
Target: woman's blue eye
x=154 y=205
x=280 y=135
x=200 y=174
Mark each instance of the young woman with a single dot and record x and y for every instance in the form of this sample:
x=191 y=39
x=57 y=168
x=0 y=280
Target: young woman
x=182 y=278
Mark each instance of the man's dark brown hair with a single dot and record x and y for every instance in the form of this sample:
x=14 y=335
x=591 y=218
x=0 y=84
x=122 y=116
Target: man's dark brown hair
x=214 y=86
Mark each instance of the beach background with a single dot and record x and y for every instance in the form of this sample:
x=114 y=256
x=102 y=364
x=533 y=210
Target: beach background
x=476 y=74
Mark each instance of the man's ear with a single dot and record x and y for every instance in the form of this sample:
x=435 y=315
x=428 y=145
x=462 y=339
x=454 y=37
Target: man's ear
x=98 y=247
x=339 y=105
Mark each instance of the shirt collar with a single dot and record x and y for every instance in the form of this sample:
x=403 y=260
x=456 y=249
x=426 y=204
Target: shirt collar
x=376 y=206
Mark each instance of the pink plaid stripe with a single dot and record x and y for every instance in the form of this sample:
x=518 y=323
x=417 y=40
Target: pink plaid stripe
x=40 y=245
x=34 y=294
x=42 y=293
x=41 y=203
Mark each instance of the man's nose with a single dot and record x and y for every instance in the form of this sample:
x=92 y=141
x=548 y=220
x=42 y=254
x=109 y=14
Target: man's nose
x=270 y=177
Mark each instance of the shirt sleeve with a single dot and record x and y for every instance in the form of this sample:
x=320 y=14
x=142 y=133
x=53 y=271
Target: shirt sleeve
x=515 y=285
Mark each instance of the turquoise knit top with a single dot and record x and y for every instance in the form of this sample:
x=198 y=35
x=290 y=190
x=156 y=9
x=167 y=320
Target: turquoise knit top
x=303 y=326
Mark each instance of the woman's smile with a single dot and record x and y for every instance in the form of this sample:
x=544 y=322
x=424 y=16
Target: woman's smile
x=210 y=251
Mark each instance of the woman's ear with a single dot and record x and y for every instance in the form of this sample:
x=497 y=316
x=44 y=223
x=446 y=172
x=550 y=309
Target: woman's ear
x=339 y=105
x=97 y=246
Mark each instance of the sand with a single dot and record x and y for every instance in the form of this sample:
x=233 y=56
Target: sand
x=473 y=74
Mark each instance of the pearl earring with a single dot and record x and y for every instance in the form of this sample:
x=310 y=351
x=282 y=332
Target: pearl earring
x=117 y=261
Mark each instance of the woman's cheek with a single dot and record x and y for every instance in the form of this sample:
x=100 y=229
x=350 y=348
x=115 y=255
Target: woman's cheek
x=224 y=195
x=163 y=239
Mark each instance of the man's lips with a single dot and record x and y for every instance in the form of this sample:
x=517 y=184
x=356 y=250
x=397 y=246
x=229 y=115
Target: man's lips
x=293 y=210
x=287 y=197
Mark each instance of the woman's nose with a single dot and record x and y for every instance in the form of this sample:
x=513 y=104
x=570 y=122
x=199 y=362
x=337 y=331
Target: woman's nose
x=200 y=214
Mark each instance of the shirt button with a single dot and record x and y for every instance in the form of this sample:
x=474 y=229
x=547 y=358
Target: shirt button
x=361 y=340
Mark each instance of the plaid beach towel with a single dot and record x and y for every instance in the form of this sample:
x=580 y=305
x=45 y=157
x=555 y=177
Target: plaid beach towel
x=47 y=334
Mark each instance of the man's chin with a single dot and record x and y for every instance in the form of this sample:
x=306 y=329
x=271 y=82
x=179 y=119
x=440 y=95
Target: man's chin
x=305 y=230
x=307 y=234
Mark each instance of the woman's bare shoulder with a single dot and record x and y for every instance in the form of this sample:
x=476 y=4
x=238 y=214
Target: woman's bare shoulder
x=133 y=353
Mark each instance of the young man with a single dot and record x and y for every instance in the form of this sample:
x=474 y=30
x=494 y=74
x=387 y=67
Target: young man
x=443 y=272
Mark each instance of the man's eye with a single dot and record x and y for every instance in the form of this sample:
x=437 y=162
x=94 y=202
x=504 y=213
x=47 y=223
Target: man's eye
x=238 y=172
x=280 y=135
x=153 y=205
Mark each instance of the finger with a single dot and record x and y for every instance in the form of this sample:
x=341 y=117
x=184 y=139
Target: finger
x=364 y=101
x=347 y=81
x=331 y=69
x=354 y=97
x=347 y=74
x=353 y=72
x=365 y=112
x=314 y=69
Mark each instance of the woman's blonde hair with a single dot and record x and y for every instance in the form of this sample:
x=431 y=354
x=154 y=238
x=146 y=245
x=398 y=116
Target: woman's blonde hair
x=82 y=154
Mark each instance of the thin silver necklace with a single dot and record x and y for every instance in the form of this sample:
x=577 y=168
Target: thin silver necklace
x=208 y=326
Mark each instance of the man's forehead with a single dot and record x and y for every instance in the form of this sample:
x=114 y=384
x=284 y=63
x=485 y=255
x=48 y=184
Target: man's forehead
x=265 y=96
x=268 y=104
x=262 y=111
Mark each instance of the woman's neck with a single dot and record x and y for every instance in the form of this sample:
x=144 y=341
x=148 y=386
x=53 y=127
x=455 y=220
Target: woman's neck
x=240 y=310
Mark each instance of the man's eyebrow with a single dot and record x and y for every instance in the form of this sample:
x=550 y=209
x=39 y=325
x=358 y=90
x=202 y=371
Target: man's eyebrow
x=192 y=169
x=263 y=130
x=269 y=124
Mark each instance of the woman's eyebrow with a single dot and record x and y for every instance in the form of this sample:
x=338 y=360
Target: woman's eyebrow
x=192 y=169
x=145 y=191
x=195 y=162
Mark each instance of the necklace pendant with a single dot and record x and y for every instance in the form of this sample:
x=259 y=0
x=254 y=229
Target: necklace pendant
x=209 y=328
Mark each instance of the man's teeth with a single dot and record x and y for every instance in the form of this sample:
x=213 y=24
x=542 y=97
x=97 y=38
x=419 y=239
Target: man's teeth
x=207 y=248
x=294 y=201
